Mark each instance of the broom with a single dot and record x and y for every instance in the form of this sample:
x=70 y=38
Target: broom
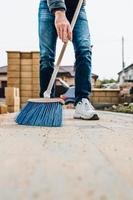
x=47 y=111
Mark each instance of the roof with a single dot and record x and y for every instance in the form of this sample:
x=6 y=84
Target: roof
x=125 y=69
x=70 y=69
x=94 y=75
x=67 y=69
x=3 y=70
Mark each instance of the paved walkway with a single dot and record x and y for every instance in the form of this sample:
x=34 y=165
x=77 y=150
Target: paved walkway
x=83 y=160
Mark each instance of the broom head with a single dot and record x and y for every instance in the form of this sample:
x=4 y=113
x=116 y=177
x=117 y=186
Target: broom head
x=41 y=112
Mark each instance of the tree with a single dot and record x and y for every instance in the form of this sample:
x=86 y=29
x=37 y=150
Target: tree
x=105 y=81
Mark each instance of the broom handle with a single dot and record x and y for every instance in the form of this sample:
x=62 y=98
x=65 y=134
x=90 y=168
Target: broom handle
x=57 y=66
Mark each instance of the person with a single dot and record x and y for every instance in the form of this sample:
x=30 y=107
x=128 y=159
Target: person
x=54 y=21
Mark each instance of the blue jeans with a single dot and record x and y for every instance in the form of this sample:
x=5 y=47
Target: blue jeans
x=82 y=49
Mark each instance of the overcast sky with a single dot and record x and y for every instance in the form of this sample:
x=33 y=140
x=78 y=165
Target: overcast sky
x=108 y=21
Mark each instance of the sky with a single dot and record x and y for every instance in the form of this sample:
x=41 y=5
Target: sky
x=108 y=22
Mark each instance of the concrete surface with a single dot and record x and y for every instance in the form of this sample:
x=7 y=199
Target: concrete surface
x=83 y=160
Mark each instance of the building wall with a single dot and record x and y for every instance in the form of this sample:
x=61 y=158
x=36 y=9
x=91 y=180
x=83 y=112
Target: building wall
x=93 y=82
x=2 y=78
x=128 y=75
x=3 y=84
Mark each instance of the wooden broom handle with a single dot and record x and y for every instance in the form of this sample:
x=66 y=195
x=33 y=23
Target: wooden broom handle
x=57 y=66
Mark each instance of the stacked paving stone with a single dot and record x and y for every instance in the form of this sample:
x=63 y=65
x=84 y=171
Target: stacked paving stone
x=105 y=96
x=14 y=69
x=23 y=73
x=35 y=75
x=3 y=108
x=12 y=99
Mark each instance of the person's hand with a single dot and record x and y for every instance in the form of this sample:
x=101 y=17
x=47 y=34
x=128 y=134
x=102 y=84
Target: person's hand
x=63 y=26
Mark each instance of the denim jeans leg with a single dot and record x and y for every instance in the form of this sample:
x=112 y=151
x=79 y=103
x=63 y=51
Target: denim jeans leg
x=47 y=44
x=82 y=48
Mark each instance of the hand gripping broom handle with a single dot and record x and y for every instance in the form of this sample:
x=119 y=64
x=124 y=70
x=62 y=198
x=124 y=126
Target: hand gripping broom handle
x=57 y=66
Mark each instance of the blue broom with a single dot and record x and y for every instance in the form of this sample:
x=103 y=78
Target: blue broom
x=46 y=111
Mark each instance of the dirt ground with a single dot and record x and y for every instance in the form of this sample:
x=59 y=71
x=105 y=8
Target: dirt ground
x=82 y=160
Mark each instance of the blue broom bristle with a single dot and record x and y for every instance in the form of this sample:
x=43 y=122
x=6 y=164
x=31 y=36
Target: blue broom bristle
x=41 y=114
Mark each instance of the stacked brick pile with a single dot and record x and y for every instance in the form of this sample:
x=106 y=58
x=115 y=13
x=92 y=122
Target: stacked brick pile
x=23 y=73
x=14 y=69
x=105 y=96
x=35 y=75
x=3 y=108
x=12 y=99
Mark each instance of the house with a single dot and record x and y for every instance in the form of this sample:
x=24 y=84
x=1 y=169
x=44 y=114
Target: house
x=3 y=80
x=126 y=75
x=67 y=73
